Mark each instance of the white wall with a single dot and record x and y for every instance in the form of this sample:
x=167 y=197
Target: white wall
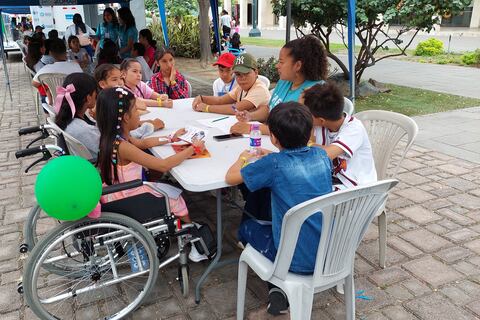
x=475 y=22
x=138 y=9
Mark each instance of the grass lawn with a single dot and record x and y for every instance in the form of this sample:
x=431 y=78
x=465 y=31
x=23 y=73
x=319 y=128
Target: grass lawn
x=412 y=102
x=277 y=43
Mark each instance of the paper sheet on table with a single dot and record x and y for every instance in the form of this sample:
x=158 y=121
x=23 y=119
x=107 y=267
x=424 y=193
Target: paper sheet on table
x=193 y=132
x=222 y=123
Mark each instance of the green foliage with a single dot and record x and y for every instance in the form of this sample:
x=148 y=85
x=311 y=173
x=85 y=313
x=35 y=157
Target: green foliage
x=471 y=58
x=268 y=68
x=372 y=18
x=183 y=33
x=429 y=47
x=176 y=8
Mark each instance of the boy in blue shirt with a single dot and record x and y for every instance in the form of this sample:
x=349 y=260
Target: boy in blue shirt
x=294 y=175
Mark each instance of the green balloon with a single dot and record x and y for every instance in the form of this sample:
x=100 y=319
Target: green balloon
x=68 y=188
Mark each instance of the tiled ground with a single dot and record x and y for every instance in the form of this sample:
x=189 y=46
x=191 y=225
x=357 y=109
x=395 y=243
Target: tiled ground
x=433 y=245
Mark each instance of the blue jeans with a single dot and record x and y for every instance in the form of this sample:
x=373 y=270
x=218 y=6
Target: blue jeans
x=259 y=236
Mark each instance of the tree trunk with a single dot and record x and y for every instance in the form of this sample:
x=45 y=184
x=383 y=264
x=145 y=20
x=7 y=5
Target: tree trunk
x=204 y=23
x=340 y=64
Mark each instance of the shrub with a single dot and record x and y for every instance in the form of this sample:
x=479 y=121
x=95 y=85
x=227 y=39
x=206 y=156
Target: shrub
x=471 y=58
x=268 y=68
x=430 y=47
x=183 y=33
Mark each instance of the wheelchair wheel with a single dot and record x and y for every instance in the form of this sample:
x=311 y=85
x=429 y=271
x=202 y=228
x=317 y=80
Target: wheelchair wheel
x=111 y=266
x=183 y=273
x=36 y=225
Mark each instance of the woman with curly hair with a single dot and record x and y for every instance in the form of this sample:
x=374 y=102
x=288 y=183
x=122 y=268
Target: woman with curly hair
x=302 y=64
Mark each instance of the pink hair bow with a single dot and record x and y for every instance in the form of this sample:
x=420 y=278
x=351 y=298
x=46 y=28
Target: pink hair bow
x=65 y=93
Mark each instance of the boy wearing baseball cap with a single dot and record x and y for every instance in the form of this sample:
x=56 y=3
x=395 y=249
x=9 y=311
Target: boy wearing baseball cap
x=226 y=81
x=248 y=95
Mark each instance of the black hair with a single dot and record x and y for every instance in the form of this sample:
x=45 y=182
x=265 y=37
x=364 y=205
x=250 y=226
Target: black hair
x=112 y=13
x=84 y=85
x=79 y=24
x=70 y=39
x=34 y=53
x=140 y=48
x=147 y=34
x=126 y=63
x=57 y=47
x=127 y=17
x=310 y=51
x=235 y=41
x=53 y=34
x=101 y=73
x=325 y=101
x=109 y=111
x=163 y=51
x=109 y=52
x=291 y=123
x=38 y=36
x=224 y=11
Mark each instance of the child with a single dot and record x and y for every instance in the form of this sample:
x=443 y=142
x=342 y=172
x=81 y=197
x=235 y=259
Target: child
x=120 y=158
x=290 y=127
x=168 y=80
x=132 y=80
x=226 y=81
x=78 y=94
x=145 y=37
x=108 y=53
x=109 y=76
x=343 y=137
x=235 y=42
x=138 y=51
x=248 y=95
x=76 y=53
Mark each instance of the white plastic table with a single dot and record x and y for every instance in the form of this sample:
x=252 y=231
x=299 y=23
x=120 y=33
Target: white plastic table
x=198 y=175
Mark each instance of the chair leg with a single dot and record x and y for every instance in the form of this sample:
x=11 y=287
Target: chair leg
x=382 y=239
x=301 y=302
x=350 y=297
x=242 y=287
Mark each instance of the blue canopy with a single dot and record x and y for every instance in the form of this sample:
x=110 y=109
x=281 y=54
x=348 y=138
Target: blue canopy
x=15 y=10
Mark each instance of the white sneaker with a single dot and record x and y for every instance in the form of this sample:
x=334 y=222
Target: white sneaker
x=340 y=289
x=195 y=256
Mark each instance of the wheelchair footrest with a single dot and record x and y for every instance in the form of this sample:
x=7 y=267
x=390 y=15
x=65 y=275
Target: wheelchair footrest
x=205 y=233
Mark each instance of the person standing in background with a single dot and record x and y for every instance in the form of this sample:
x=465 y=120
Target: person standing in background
x=225 y=21
x=83 y=33
x=108 y=29
x=128 y=33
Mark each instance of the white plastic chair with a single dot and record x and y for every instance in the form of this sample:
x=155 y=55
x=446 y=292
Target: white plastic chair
x=190 y=90
x=346 y=216
x=75 y=147
x=348 y=106
x=265 y=80
x=52 y=80
x=36 y=95
x=385 y=130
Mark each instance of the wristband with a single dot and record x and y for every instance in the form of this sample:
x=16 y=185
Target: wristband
x=206 y=108
x=245 y=162
x=160 y=102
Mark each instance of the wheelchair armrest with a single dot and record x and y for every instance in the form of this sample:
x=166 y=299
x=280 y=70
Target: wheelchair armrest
x=122 y=186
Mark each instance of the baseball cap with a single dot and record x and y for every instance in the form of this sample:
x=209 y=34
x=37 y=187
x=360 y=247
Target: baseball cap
x=225 y=60
x=245 y=63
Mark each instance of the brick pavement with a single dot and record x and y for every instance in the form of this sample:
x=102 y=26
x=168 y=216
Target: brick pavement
x=433 y=245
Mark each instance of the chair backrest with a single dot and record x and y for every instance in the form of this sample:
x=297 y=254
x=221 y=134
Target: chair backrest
x=265 y=80
x=346 y=215
x=75 y=147
x=385 y=130
x=348 y=106
x=52 y=80
x=189 y=88
x=31 y=71
x=50 y=110
x=236 y=52
x=23 y=48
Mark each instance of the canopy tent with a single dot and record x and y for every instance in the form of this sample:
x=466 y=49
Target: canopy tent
x=15 y=10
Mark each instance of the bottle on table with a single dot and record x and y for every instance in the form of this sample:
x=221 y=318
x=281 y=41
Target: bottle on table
x=255 y=140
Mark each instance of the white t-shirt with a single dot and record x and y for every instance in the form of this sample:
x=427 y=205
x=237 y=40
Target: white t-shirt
x=225 y=20
x=356 y=165
x=221 y=88
x=64 y=67
x=146 y=71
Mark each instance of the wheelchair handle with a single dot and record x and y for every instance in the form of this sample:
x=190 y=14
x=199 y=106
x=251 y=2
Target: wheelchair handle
x=28 y=151
x=28 y=130
x=122 y=186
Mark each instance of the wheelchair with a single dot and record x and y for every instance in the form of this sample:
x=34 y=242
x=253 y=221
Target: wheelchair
x=107 y=266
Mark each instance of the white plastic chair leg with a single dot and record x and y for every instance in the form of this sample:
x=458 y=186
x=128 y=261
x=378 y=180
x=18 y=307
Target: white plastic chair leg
x=382 y=239
x=242 y=287
x=301 y=302
x=350 y=297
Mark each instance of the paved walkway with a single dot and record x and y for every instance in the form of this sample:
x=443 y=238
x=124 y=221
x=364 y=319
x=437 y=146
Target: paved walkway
x=433 y=246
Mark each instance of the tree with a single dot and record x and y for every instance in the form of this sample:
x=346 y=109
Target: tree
x=373 y=21
x=176 y=8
